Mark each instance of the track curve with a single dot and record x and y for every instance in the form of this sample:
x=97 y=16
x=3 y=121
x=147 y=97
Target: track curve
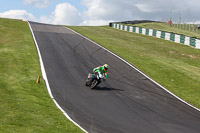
x=127 y=102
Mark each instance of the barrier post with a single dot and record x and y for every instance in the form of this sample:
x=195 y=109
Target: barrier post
x=38 y=79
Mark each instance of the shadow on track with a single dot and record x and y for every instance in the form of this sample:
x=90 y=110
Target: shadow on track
x=106 y=89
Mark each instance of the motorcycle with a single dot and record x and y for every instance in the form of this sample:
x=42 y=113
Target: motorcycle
x=94 y=79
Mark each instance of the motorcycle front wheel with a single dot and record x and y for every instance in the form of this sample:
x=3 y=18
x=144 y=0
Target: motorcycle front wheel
x=94 y=84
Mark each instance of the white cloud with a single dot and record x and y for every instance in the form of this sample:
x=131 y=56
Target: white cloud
x=101 y=12
x=122 y=10
x=116 y=10
x=65 y=14
x=45 y=19
x=144 y=8
x=37 y=3
x=95 y=22
x=18 y=14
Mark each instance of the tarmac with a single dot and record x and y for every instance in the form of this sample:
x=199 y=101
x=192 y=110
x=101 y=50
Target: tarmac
x=127 y=102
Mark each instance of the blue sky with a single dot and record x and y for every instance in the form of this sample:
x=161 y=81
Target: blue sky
x=99 y=12
x=20 y=5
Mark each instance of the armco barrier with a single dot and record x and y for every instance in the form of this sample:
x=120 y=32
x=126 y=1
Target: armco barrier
x=190 y=41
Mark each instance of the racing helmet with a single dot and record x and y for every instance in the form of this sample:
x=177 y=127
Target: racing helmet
x=105 y=66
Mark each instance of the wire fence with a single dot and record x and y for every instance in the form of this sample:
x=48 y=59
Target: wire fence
x=184 y=25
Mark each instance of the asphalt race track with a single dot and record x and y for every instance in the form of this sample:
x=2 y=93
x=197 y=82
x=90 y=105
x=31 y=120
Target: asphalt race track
x=127 y=102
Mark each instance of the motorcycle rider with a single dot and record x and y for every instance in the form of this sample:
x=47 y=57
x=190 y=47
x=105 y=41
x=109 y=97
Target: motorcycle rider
x=103 y=70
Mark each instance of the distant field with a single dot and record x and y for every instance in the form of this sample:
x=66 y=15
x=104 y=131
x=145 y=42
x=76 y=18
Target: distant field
x=25 y=106
x=166 y=27
x=174 y=66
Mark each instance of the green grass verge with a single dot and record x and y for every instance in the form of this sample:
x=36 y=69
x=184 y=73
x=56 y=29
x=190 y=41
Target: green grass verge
x=24 y=105
x=174 y=66
x=166 y=27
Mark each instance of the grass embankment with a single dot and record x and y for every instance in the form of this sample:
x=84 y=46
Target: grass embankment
x=166 y=27
x=174 y=66
x=24 y=105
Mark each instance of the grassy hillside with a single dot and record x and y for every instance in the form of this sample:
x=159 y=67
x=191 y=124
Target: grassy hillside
x=24 y=105
x=174 y=66
x=166 y=27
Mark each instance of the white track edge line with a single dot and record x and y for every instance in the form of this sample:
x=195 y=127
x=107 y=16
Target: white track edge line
x=137 y=70
x=47 y=83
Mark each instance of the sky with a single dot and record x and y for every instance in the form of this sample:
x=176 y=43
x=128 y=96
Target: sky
x=99 y=12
